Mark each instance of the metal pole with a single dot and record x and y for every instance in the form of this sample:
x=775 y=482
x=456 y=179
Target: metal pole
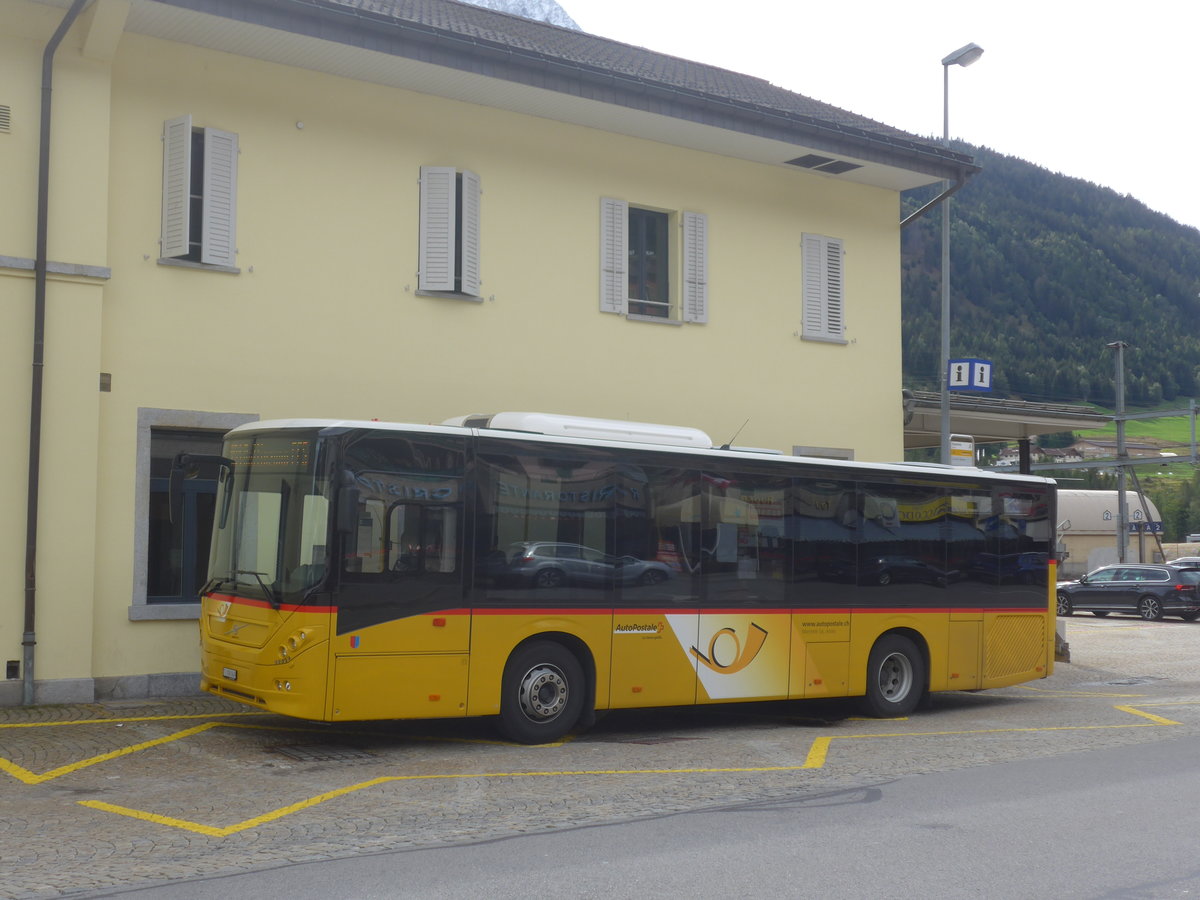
x=1192 y=415
x=1122 y=456
x=945 y=351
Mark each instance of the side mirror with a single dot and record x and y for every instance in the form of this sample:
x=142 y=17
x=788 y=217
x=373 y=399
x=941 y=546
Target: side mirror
x=347 y=504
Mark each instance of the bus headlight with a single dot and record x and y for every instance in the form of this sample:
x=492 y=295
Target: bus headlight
x=292 y=645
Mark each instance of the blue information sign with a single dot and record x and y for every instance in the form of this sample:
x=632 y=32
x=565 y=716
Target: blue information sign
x=969 y=375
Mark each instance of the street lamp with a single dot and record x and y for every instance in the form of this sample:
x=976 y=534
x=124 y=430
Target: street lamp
x=963 y=56
x=1122 y=455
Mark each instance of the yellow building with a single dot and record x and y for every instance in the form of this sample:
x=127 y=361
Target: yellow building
x=337 y=208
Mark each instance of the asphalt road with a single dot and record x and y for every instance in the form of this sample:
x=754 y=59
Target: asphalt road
x=1085 y=776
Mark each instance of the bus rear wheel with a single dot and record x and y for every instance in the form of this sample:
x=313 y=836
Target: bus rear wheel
x=542 y=694
x=895 y=678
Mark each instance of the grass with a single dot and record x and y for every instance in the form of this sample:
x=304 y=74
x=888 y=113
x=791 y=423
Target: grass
x=1175 y=430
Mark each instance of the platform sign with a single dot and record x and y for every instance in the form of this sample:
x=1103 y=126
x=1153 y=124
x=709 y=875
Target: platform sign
x=962 y=450
x=969 y=375
x=1145 y=527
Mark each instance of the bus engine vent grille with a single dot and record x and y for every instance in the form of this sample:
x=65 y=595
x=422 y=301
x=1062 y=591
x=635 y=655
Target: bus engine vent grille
x=1013 y=645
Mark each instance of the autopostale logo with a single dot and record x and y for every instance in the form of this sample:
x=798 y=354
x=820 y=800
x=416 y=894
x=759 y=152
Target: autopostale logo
x=727 y=653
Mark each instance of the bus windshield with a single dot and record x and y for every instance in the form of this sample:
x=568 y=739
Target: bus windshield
x=271 y=527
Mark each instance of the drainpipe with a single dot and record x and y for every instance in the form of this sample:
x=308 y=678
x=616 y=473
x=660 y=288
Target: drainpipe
x=29 y=636
x=950 y=189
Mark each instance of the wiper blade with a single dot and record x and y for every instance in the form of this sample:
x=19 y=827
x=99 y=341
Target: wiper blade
x=258 y=576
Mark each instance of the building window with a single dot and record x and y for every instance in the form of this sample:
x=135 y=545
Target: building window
x=640 y=269
x=649 y=275
x=178 y=553
x=823 y=289
x=171 y=558
x=449 y=232
x=199 y=195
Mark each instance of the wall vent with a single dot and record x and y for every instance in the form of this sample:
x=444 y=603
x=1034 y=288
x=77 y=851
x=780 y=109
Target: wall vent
x=5 y=118
x=826 y=164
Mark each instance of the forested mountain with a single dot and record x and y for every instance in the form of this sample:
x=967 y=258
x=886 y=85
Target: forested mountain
x=1046 y=270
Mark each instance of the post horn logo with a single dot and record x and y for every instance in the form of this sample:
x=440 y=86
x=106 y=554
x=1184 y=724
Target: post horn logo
x=742 y=656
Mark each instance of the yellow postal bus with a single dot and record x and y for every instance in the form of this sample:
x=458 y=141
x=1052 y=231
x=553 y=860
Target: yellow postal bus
x=539 y=568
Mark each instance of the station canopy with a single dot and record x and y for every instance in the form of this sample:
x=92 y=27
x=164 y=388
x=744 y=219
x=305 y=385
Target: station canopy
x=989 y=420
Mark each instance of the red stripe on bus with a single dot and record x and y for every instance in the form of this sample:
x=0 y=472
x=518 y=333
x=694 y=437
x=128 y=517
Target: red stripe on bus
x=263 y=604
x=686 y=610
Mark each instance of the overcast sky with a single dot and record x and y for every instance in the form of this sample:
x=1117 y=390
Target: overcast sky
x=1106 y=92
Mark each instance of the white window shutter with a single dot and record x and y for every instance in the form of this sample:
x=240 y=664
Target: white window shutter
x=176 y=190
x=835 y=319
x=218 y=240
x=471 y=192
x=823 y=287
x=437 y=221
x=695 y=267
x=614 y=255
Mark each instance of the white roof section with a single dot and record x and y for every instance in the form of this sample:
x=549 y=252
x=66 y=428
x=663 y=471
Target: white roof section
x=581 y=431
x=1097 y=511
x=581 y=427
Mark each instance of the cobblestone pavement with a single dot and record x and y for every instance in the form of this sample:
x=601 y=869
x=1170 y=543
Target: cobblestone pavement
x=100 y=796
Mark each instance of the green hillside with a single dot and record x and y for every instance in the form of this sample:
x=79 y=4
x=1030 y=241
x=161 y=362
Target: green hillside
x=1046 y=270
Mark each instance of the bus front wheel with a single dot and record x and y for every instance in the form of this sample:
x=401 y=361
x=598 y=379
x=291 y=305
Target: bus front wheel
x=542 y=693
x=895 y=678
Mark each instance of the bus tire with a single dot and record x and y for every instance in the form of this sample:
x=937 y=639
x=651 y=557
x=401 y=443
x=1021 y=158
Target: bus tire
x=895 y=678
x=542 y=693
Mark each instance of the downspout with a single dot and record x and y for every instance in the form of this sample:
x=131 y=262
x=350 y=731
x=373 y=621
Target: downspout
x=936 y=201
x=29 y=635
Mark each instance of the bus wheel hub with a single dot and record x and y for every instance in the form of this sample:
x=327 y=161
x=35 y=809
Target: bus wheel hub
x=543 y=693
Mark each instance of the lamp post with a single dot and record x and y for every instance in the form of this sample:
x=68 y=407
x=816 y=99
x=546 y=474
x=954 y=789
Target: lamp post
x=963 y=56
x=1122 y=454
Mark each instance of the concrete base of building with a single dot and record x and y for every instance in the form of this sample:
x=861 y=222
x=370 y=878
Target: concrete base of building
x=92 y=690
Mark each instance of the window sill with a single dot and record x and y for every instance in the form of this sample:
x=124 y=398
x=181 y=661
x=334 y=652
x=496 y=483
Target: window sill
x=659 y=320
x=189 y=264
x=450 y=295
x=147 y=612
x=822 y=339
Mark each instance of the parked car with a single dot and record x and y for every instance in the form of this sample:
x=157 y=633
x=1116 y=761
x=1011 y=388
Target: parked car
x=547 y=565
x=1150 y=591
x=1186 y=561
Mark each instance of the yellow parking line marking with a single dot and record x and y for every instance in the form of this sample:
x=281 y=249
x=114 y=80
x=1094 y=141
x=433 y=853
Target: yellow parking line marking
x=1159 y=720
x=25 y=775
x=212 y=831
x=1064 y=693
x=817 y=753
x=28 y=777
x=118 y=721
x=816 y=758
